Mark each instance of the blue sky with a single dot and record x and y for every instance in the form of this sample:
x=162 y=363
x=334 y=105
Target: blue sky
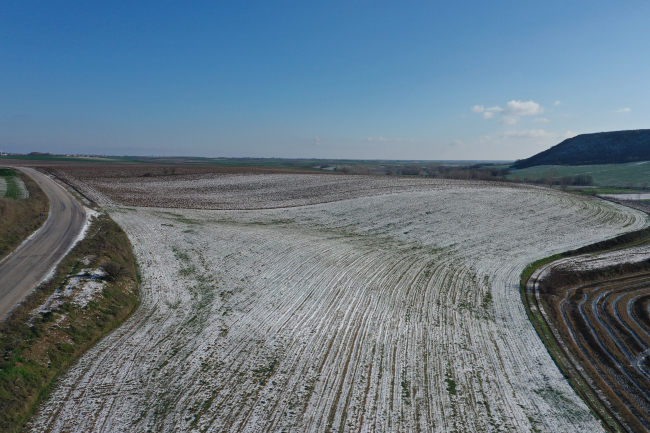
x=337 y=79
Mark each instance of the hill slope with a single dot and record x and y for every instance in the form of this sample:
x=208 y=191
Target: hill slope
x=599 y=148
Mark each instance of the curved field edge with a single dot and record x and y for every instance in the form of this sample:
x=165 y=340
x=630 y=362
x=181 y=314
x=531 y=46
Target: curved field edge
x=37 y=348
x=377 y=314
x=21 y=217
x=580 y=383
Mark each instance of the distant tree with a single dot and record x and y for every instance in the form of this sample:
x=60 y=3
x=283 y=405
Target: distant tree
x=549 y=177
x=565 y=181
x=583 y=179
x=432 y=168
x=361 y=170
x=411 y=170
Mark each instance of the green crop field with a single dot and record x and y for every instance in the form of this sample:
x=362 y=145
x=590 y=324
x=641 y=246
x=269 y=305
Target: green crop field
x=634 y=174
x=11 y=184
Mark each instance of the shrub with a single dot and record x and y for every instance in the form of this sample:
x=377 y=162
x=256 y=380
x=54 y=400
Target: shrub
x=113 y=270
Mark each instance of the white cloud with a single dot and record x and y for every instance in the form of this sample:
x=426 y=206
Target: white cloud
x=509 y=120
x=519 y=108
x=623 y=110
x=540 y=120
x=569 y=134
x=556 y=103
x=484 y=139
x=515 y=109
x=317 y=140
x=512 y=112
x=383 y=139
x=528 y=133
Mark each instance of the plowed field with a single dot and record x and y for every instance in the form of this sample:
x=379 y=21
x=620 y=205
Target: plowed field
x=397 y=312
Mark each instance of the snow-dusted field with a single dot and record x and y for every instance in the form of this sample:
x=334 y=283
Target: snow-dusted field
x=240 y=191
x=397 y=312
x=603 y=260
x=631 y=196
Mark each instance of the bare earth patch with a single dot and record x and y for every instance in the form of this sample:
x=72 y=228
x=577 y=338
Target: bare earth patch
x=242 y=188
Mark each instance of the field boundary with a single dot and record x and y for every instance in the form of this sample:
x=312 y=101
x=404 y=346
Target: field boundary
x=49 y=331
x=567 y=364
x=66 y=183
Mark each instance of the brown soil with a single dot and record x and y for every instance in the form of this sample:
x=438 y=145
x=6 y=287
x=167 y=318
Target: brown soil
x=602 y=340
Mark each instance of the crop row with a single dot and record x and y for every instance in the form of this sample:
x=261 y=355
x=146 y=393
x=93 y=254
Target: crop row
x=604 y=329
x=396 y=312
x=250 y=190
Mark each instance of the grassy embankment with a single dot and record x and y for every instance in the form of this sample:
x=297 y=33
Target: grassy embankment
x=20 y=217
x=543 y=328
x=36 y=349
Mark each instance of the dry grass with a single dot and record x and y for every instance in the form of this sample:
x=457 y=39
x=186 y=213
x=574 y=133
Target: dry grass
x=21 y=217
x=37 y=348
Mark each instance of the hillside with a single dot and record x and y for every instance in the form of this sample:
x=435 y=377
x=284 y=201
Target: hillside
x=599 y=148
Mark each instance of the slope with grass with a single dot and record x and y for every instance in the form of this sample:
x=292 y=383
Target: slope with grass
x=635 y=174
x=63 y=317
x=24 y=207
x=398 y=312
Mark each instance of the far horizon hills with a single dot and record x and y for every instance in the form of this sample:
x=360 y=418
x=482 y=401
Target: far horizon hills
x=613 y=147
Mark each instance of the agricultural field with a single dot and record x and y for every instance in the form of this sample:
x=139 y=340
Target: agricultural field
x=394 y=308
x=602 y=329
x=206 y=187
x=635 y=174
x=11 y=185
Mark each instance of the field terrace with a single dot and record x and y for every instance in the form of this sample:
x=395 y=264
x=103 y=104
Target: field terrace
x=603 y=328
x=394 y=308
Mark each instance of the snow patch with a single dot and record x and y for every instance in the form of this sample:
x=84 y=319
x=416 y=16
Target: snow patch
x=80 y=290
x=23 y=193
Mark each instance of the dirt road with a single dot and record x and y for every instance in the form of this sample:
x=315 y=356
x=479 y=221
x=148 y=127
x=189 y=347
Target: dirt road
x=27 y=266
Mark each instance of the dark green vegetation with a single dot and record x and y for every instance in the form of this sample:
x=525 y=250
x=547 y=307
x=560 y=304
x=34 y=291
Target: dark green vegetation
x=11 y=179
x=563 y=353
x=20 y=217
x=37 y=348
x=614 y=147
